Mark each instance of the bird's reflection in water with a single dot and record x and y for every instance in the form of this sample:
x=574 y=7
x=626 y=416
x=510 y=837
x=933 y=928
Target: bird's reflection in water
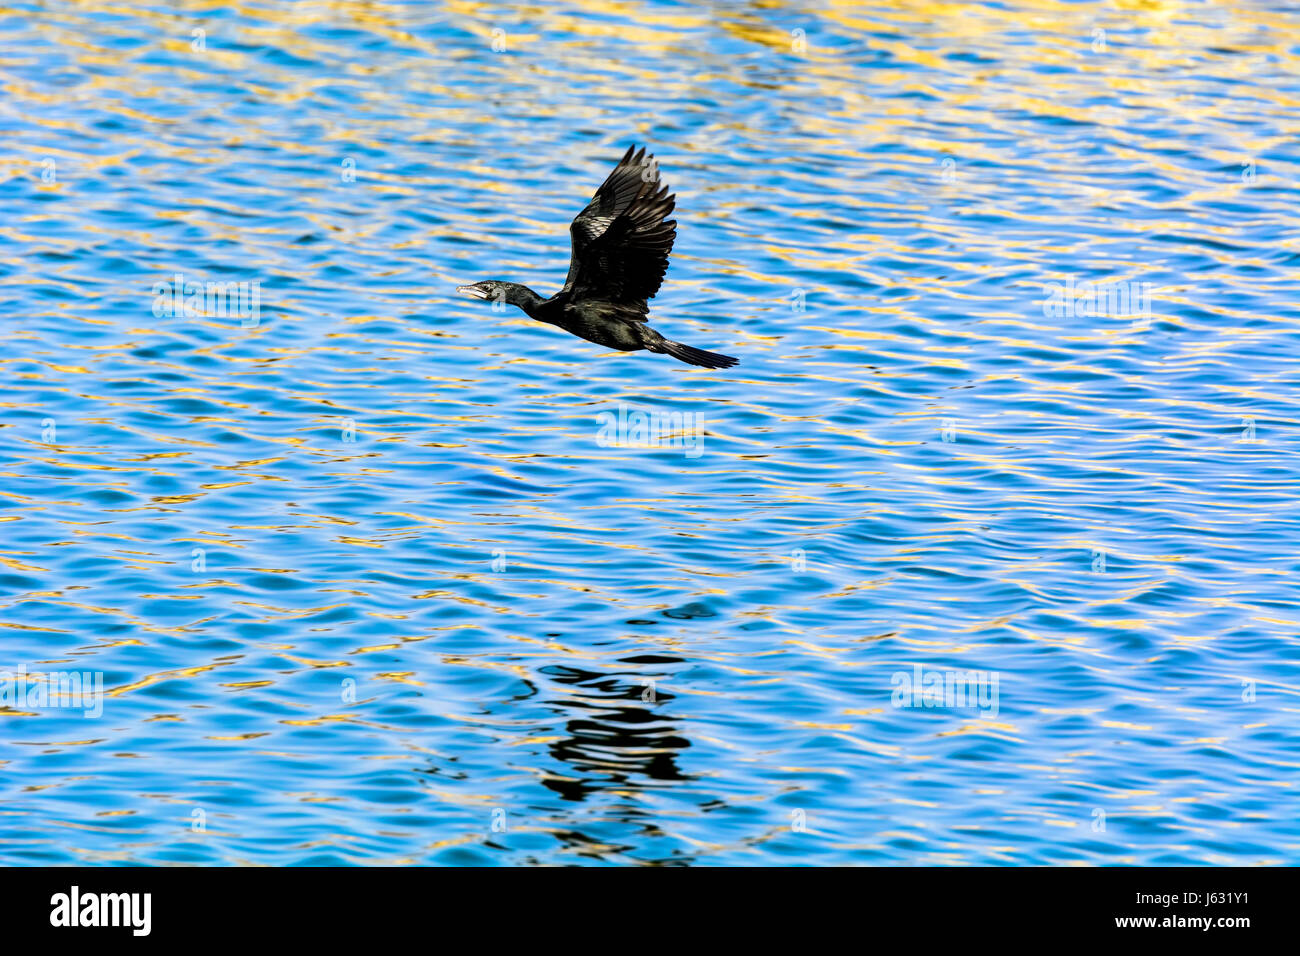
x=615 y=739
x=618 y=736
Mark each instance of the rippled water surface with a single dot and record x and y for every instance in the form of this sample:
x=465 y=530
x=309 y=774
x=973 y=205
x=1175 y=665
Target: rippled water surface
x=365 y=583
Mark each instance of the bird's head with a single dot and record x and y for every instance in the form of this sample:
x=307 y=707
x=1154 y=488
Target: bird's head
x=489 y=289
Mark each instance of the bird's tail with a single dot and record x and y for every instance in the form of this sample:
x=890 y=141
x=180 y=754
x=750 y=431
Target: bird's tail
x=694 y=356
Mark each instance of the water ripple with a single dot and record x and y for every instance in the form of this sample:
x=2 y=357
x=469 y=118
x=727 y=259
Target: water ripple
x=364 y=584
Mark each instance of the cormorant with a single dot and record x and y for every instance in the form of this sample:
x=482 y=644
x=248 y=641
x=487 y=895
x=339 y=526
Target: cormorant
x=620 y=253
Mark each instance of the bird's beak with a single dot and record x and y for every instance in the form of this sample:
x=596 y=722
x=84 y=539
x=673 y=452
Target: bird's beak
x=472 y=290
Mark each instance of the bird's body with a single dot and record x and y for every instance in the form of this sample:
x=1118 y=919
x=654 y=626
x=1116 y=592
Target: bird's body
x=621 y=242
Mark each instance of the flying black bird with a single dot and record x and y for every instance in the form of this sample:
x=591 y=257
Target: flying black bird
x=620 y=253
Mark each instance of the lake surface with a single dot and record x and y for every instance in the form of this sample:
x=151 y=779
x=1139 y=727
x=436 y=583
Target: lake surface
x=374 y=574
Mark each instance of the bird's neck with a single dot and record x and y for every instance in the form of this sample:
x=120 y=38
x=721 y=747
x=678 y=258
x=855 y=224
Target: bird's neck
x=521 y=296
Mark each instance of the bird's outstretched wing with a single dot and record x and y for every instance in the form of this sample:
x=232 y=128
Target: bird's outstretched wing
x=621 y=240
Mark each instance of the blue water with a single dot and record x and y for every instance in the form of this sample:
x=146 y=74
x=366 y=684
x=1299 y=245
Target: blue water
x=364 y=583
